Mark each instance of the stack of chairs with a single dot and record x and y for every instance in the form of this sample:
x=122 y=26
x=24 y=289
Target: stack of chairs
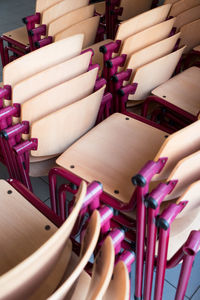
x=44 y=264
x=49 y=19
x=58 y=96
x=146 y=174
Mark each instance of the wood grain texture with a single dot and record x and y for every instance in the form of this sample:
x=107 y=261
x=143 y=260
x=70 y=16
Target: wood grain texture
x=187 y=16
x=69 y=19
x=119 y=287
x=177 y=146
x=147 y=37
x=77 y=266
x=182 y=5
x=142 y=21
x=46 y=79
x=155 y=73
x=19 y=34
x=170 y=1
x=182 y=90
x=110 y=154
x=66 y=125
x=190 y=35
x=100 y=7
x=132 y=8
x=87 y=27
x=151 y=53
x=61 y=8
x=42 y=59
x=59 y=96
x=23 y=229
x=41 y=5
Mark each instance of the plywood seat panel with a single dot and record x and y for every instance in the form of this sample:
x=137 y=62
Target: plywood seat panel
x=153 y=74
x=60 y=129
x=42 y=59
x=70 y=19
x=190 y=35
x=133 y=8
x=147 y=37
x=152 y=52
x=50 y=77
x=142 y=21
x=197 y=48
x=182 y=90
x=22 y=233
x=183 y=5
x=19 y=34
x=187 y=16
x=110 y=154
x=87 y=27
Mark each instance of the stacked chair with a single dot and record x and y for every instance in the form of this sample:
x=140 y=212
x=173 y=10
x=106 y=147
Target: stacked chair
x=133 y=179
x=60 y=82
x=46 y=266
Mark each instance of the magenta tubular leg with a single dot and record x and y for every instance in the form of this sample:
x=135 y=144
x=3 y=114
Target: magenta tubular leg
x=140 y=236
x=184 y=277
x=2 y=52
x=161 y=263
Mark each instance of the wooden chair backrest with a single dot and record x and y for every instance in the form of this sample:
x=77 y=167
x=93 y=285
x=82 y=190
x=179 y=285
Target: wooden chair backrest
x=151 y=53
x=142 y=21
x=65 y=93
x=100 y=7
x=119 y=287
x=190 y=35
x=182 y=5
x=50 y=77
x=60 y=129
x=60 y=9
x=87 y=248
x=102 y=270
x=69 y=19
x=41 y=5
x=170 y=1
x=21 y=281
x=43 y=58
x=177 y=146
x=186 y=172
x=187 y=16
x=193 y=207
x=133 y=8
x=147 y=37
x=87 y=27
x=155 y=73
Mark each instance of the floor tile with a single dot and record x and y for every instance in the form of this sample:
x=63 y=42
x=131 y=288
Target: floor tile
x=196 y=296
x=3 y=172
x=40 y=188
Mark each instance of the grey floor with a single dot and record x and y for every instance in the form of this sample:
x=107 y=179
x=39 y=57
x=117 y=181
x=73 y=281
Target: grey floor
x=11 y=13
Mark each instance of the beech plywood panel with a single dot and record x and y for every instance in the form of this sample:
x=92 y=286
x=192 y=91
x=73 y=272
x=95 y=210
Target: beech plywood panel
x=42 y=59
x=59 y=96
x=66 y=125
x=50 y=77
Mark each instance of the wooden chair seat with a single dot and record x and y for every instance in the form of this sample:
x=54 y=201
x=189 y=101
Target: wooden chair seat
x=182 y=90
x=41 y=167
x=69 y=19
x=118 y=148
x=109 y=153
x=23 y=230
x=187 y=16
x=147 y=37
x=87 y=27
x=190 y=35
x=197 y=48
x=19 y=34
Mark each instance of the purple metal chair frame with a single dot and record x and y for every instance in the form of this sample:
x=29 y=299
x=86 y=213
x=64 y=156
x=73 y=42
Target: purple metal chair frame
x=178 y=115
